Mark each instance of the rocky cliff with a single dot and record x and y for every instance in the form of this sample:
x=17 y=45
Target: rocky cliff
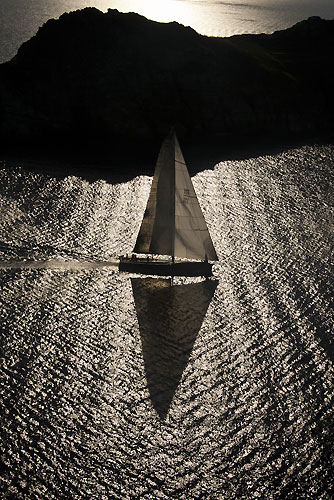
x=108 y=81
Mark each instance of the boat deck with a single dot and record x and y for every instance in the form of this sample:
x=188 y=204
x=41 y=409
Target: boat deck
x=163 y=267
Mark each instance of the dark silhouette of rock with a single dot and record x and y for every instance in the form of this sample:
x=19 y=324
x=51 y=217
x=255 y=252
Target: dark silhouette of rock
x=114 y=83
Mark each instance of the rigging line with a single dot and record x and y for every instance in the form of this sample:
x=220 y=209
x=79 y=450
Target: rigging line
x=174 y=198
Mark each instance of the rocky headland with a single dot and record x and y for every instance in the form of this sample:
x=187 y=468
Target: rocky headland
x=111 y=85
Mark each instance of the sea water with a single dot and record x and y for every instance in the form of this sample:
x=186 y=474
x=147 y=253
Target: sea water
x=116 y=386
x=20 y=19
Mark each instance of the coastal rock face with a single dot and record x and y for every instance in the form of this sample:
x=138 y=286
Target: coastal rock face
x=94 y=80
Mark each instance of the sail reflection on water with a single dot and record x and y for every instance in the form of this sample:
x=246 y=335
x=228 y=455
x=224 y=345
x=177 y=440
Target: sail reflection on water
x=169 y=318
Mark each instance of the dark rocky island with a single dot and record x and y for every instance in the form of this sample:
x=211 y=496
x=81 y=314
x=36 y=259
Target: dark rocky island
x=110 y=85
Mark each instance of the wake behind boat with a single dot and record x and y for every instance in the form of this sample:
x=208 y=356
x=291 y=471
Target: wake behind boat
x=173 y=223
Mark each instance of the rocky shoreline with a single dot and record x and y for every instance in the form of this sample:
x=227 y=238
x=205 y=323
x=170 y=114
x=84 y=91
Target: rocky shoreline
x=108 y=86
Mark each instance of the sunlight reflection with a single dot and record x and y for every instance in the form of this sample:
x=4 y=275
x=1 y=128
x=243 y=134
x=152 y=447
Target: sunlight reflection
x=211 y=18
x=161 y=11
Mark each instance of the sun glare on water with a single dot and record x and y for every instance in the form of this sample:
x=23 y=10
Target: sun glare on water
x=158 y=10
x=165 y=10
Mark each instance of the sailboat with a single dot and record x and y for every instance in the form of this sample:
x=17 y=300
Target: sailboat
x=173 y=231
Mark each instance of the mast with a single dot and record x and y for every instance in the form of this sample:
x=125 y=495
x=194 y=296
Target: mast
x=172 y=132
x=173 y=222
x=156 y=234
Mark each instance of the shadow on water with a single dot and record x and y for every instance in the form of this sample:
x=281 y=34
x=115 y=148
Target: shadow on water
x=169 y=318
x=317 y=316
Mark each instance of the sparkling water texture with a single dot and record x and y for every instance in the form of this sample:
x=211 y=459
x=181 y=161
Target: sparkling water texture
x=116 y=386
x=20 y=19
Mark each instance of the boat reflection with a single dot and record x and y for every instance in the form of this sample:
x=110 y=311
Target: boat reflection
x=169 y=318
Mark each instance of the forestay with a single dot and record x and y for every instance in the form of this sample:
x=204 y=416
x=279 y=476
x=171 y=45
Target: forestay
x=173 y=222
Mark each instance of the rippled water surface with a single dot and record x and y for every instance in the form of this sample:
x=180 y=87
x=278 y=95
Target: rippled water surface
x=115 y=386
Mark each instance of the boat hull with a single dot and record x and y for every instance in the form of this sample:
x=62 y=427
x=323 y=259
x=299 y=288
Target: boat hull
x=161 y=268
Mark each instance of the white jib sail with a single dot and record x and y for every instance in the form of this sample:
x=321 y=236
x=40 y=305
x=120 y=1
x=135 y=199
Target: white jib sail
x=173 y=222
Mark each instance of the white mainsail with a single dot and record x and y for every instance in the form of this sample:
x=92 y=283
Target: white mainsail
x=173 y=222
